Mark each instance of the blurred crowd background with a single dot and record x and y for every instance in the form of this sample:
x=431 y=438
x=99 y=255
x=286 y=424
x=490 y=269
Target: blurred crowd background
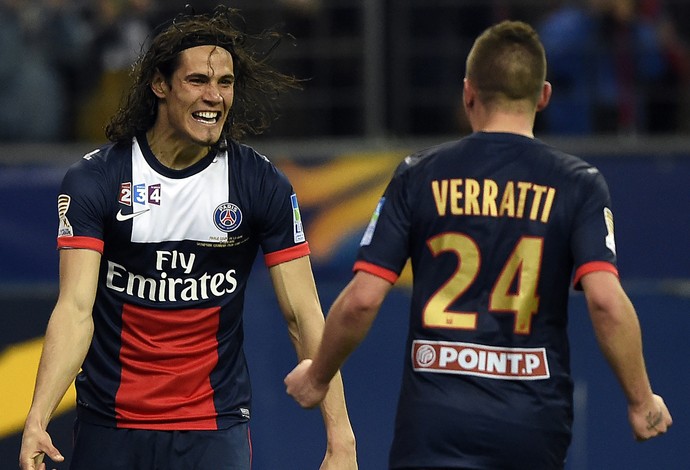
x=374 y=68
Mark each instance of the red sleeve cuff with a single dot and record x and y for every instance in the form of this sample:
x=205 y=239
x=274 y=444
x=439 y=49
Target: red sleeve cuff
x=288 y=254
x=591 y=267
x=383 y=273
x=88 y=243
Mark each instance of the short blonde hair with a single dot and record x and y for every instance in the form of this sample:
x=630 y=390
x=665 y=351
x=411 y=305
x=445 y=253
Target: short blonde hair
x=507 y=63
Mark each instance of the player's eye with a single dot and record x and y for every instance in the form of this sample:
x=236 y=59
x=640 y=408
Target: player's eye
x=196 y=79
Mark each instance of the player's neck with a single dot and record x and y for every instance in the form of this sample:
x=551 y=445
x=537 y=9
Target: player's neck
x=506 y=122
x=174 y=153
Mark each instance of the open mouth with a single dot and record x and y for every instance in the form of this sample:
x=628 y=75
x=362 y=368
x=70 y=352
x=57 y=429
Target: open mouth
x=206 y=117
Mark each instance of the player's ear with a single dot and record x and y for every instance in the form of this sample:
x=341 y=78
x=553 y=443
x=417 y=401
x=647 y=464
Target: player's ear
x=545 y=96
x=468 y=94
x=158 y=85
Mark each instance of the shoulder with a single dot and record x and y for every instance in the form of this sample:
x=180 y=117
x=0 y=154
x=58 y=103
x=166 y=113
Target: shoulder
x=97 y=170
x=102 y=158
x=252 y=163
x=248 y=155
x=573 y=175
x=418 y=161
x=571 y=166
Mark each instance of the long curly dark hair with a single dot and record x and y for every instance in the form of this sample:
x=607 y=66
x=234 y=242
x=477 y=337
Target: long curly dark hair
x=257 y=84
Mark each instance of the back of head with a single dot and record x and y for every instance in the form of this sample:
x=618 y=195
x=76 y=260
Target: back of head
x=257 y=84
x=507 y=64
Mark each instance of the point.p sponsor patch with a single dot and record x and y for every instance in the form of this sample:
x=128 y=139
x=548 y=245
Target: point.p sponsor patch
x=443 y=357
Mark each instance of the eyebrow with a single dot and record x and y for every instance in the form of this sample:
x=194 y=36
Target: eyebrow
x=207 y=76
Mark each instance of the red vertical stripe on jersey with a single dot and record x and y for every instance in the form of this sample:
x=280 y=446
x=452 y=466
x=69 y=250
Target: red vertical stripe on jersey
x=167 y=357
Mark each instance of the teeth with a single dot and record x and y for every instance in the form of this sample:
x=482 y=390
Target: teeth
x=207 y=115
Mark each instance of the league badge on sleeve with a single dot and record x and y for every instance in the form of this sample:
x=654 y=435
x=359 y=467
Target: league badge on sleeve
x=297 y=227
x=65 y=229
x=369 y=232
x=610 y=239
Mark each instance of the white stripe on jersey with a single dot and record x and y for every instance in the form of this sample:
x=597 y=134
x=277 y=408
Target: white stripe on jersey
x=180 y=208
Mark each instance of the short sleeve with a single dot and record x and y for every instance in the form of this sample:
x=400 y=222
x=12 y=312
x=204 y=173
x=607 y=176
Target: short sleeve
x=82 y=207
x=384 y=248
x=593 y=242
x=281 y=230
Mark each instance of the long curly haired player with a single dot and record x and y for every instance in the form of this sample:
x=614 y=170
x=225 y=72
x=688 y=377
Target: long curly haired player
x=158 y=233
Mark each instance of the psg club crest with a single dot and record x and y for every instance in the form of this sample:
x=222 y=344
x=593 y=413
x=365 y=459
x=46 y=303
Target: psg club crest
x=227 y=217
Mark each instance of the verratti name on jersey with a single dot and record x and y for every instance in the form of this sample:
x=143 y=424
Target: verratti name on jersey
x=166 y=288
x=467 y=196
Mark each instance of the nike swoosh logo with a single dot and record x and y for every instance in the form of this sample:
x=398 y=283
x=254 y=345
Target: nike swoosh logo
x=122 y=217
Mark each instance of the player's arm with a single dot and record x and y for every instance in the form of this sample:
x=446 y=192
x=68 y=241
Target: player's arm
x=618 y=332
x=347 y=324
x=67 y=341
x=298 y=299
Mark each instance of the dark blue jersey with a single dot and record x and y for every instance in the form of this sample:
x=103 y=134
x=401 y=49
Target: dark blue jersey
x=496 y=227
x=177 y=249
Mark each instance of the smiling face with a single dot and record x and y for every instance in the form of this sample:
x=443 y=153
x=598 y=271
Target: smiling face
x=194 y=105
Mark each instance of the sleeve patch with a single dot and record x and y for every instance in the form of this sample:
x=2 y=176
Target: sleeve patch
x=369 y=232
x=65 y=228
x=297 y=227
x=610 y=238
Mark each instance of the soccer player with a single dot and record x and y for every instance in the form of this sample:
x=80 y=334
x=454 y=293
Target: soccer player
x=158 y=233
x=497 y=226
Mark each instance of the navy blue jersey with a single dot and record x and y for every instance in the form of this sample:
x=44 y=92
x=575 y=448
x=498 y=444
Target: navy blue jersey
x=177 y=249
x=496 y=227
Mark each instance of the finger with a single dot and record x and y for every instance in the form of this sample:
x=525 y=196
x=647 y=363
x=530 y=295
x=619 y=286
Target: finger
x=294 y=371
x=27 y=464
x=297 y=371
x=304 y=364
x=32 y=463
x=654 y=432
x=52 y=452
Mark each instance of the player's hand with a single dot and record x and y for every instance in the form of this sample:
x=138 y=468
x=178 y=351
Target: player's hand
x=650 y=419
x=303 y=388
x=36 y=444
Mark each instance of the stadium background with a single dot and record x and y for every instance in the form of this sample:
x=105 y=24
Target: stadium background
x=384 y=83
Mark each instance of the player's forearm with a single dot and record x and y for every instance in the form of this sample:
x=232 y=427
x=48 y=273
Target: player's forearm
x=299 y=303
x=334 y=411
x=620 y=340
x=67 y=341
x=348 y=323
x=346 y=327
x=305 y=332
x=305 y=325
